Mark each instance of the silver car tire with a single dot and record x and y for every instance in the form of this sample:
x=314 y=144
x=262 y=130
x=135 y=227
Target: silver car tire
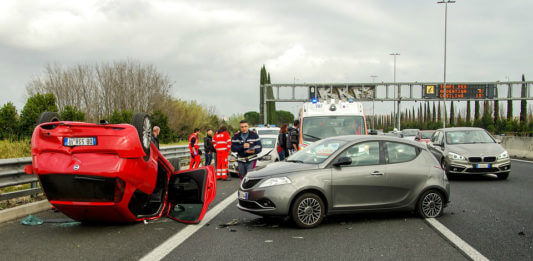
x=431 y=204
x=308 y=210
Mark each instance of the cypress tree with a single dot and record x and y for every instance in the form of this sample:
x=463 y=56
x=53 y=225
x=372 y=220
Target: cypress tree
x=439 y=114
x=476 y=110
x=523 y=103
x=509 y=109
x=452 y=115
x=468 y=119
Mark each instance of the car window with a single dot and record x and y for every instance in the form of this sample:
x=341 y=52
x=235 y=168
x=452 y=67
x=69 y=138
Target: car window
x=434 y=136
x=363 y=154
x=400 y=152
x=268 y=142
x=317 y=152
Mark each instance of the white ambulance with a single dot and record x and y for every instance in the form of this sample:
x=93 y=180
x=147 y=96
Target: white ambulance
x=323 y=119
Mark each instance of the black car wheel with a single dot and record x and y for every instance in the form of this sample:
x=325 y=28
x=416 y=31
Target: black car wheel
x=48 y=116
x=503 y=175
x=431 y=204
x=308 y=210
x=141 y=122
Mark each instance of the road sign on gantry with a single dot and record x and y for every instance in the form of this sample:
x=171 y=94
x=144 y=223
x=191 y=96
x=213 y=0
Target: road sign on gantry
x=459 y=91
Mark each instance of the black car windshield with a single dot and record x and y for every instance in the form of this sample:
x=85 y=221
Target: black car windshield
x=427 y=134
x=468 y=137
x=268 y=142
x=317 y=152
x=320 y=127
x=409 y=132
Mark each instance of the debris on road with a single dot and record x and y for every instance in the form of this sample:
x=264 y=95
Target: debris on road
x=234 y=222
x=233 y=230
x=521 y=233
x=269 y=241
x=298 y=237
x=31 y=221
x=349 y=228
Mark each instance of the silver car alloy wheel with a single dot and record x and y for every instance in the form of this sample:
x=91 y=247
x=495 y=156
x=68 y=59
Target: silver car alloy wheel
x=309 y=211
x=432 y=205
x=147 y=133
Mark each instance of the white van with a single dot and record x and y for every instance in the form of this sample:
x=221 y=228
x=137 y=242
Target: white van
x=319 y=120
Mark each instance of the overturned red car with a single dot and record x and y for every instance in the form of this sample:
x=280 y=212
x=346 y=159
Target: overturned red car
x=113 y=172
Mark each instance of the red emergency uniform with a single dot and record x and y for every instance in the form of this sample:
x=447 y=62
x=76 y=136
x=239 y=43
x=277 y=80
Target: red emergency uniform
x=193 y=148
x=222 y=144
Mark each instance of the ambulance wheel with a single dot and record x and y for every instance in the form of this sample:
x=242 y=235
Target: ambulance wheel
x=141 y=122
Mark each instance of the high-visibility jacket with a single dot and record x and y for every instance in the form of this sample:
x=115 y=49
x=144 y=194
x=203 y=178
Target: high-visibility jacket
x=222 y=142
x=193 y=144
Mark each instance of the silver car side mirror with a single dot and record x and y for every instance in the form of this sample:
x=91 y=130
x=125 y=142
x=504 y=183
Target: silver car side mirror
x=342 y=161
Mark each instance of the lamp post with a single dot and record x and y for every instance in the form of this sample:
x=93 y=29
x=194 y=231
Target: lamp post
x=398 y=91
x=445 y=2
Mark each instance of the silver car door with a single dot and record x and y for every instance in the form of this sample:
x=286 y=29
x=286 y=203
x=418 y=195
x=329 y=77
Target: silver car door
x=407 y=171
x=360 y=184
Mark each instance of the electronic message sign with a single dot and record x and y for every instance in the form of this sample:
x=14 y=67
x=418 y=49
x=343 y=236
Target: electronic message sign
x=458 y=91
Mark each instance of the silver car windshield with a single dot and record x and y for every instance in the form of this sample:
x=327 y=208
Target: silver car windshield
x=320 y=127
x=317 y=152
x=268 y=142
x=410 y=132
x=468 y=137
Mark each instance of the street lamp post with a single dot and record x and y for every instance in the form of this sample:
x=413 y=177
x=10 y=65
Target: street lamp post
x=445 y=2
x=398 y=91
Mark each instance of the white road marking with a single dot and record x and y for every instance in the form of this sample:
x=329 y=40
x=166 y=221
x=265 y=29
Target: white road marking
x=460 y=244
x=526 y=161
x=173 y=242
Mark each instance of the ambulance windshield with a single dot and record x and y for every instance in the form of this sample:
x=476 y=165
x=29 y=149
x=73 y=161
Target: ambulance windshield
x=320 y=127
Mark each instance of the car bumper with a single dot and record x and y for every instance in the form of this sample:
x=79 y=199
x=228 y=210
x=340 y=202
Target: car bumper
x=476 y=168
x=274 y=200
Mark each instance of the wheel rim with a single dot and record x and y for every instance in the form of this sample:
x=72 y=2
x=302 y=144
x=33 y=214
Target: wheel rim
x=432 y=205
x=309 y=211
x=146 y=133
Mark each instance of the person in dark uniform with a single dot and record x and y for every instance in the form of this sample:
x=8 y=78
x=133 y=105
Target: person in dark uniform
x=155 y=133
x=208 y=147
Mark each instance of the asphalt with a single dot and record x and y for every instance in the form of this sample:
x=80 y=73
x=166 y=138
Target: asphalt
x=495 y=217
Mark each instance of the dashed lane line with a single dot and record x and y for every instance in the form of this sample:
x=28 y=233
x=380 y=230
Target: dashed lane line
x=460 y=244
x=173 y=242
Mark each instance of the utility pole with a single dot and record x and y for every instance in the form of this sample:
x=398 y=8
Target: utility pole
x=445 y=2
x=398 y=90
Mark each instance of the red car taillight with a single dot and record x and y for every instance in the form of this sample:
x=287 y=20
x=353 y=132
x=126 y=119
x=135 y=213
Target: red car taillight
x=119 y=189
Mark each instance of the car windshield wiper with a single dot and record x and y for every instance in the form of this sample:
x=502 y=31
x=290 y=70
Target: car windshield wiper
x=297 y=161
x=311 y=136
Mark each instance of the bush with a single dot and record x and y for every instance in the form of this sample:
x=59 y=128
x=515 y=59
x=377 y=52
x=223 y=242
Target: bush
x=123 y=116
x=35 y=105
x=8 y=121
x=72 y=113
x=161 y=120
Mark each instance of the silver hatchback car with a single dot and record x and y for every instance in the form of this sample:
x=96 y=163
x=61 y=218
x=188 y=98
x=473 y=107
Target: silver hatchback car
x=348 y=174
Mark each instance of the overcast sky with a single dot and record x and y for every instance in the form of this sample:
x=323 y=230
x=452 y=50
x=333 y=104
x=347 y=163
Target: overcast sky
x=213 y=50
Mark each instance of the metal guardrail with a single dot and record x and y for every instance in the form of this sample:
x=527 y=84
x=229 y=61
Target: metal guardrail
x=12 y=172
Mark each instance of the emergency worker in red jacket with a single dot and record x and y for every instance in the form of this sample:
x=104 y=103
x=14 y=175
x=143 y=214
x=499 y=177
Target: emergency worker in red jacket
x=222 y=144
x=194 y=149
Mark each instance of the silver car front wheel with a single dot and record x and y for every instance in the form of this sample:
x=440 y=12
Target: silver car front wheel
x=431 y=204
x=308 y=210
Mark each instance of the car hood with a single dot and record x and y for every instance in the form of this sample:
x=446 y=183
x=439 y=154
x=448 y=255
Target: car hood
x=280 y=168
x=477 y=150
x=265 y=152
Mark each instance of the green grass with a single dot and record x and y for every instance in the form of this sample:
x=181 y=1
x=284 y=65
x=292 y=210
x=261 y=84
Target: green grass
x=181 y=142
x=15 y=149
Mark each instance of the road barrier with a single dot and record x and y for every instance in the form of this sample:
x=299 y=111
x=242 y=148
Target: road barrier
x=12 y=172
x=518 y=147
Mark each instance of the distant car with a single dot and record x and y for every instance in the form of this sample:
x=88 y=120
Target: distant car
x=347 y=174
x=113 y=172
x=424 y=135
x=469 y=151
x=410 y=134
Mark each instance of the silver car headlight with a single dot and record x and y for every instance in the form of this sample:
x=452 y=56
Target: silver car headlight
x=275 y=181
x=504 y=155
x=455 y=156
